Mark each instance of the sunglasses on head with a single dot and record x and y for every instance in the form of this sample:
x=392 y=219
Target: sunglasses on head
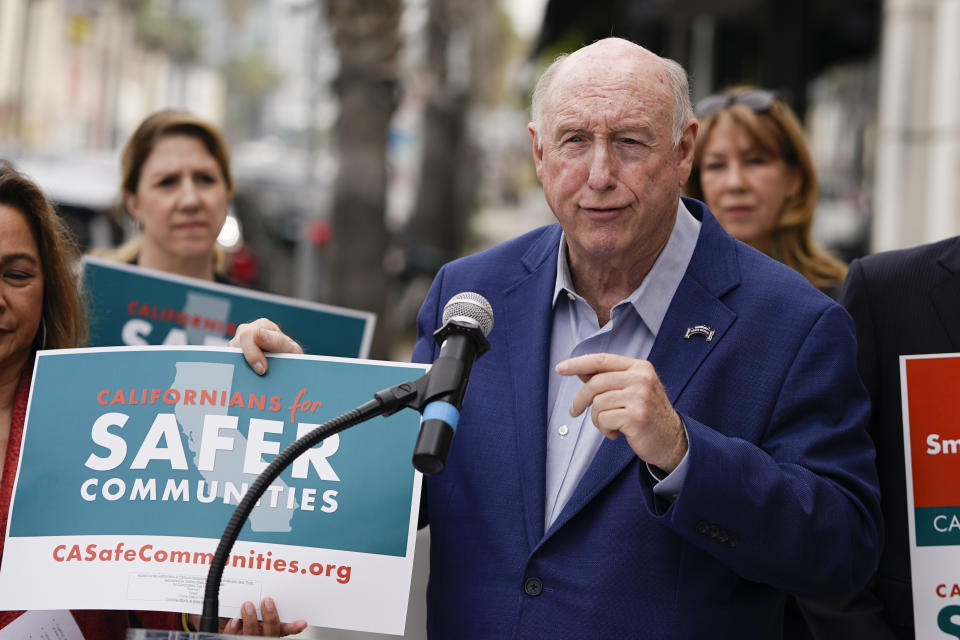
x=757 y=100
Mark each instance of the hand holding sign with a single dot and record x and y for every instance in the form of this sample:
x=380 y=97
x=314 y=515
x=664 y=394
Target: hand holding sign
x=262 y=335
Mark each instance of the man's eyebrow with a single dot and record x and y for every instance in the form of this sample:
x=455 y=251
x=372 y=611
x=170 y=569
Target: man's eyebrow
x=635 y=125
x=568 y=125
x=575 y=125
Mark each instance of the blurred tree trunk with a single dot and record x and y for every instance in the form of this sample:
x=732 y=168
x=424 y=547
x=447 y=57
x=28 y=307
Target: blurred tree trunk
x=449 y=170
x=366 y=33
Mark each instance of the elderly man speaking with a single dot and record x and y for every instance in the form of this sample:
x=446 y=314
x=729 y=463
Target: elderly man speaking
x=667 y=434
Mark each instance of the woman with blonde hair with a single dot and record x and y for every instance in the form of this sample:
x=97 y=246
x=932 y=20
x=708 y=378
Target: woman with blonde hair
x=753 y=168
x=176 y=185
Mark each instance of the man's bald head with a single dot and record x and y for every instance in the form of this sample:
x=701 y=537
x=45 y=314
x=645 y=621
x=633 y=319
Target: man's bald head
x=612 y=56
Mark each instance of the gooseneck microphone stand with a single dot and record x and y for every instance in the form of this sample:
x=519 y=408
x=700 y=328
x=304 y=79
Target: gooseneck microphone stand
x=384 y=403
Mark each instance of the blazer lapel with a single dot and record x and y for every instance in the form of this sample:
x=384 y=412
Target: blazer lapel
x=945 y=293
x=712 y=272
x=529 y=316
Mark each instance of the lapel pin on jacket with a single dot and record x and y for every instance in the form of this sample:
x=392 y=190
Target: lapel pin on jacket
x=700 y=329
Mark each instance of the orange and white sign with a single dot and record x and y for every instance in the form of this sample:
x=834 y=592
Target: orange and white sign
x=930 y=386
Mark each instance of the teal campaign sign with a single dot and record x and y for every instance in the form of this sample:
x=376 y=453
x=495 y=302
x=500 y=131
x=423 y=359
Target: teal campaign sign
x=134 y=306
x=163 y=441
x=133 y=460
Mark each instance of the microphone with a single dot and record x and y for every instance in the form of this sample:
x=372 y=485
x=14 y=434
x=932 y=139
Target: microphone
x=467 y=319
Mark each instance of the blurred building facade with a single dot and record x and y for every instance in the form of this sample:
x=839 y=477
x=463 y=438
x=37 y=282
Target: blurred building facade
x=917 y=191
x=77 y=76
x=80 y=74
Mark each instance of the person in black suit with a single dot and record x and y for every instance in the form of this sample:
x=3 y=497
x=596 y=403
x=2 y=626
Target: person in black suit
x=904 y=302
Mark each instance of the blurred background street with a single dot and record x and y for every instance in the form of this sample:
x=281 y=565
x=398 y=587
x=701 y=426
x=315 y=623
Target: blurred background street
x=374 y=140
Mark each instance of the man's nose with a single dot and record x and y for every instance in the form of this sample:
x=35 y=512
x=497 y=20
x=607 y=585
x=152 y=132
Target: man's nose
x=602 y=168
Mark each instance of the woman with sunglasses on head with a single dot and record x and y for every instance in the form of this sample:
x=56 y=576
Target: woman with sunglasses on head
x=753 y=168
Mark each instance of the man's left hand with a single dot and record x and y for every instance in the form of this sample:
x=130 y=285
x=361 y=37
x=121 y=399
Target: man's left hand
x=628 y=398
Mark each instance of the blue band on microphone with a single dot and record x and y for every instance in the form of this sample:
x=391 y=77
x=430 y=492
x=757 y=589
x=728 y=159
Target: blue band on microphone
x=443 y=411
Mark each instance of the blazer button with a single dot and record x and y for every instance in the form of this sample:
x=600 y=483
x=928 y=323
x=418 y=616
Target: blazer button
x=533 y=586
x=702 y=527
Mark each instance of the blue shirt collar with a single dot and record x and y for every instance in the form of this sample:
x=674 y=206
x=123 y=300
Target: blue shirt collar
x=652 y=298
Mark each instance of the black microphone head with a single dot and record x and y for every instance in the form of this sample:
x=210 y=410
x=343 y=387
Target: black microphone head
x=471 y=307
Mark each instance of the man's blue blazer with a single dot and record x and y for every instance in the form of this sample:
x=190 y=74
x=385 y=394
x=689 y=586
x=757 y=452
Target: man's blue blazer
x=781 y=494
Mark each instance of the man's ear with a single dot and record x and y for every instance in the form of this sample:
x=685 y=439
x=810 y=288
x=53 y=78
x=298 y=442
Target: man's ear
x=537 y=150
x=685 y=149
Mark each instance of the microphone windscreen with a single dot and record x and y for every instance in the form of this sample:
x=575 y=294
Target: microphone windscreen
x=471 y=306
